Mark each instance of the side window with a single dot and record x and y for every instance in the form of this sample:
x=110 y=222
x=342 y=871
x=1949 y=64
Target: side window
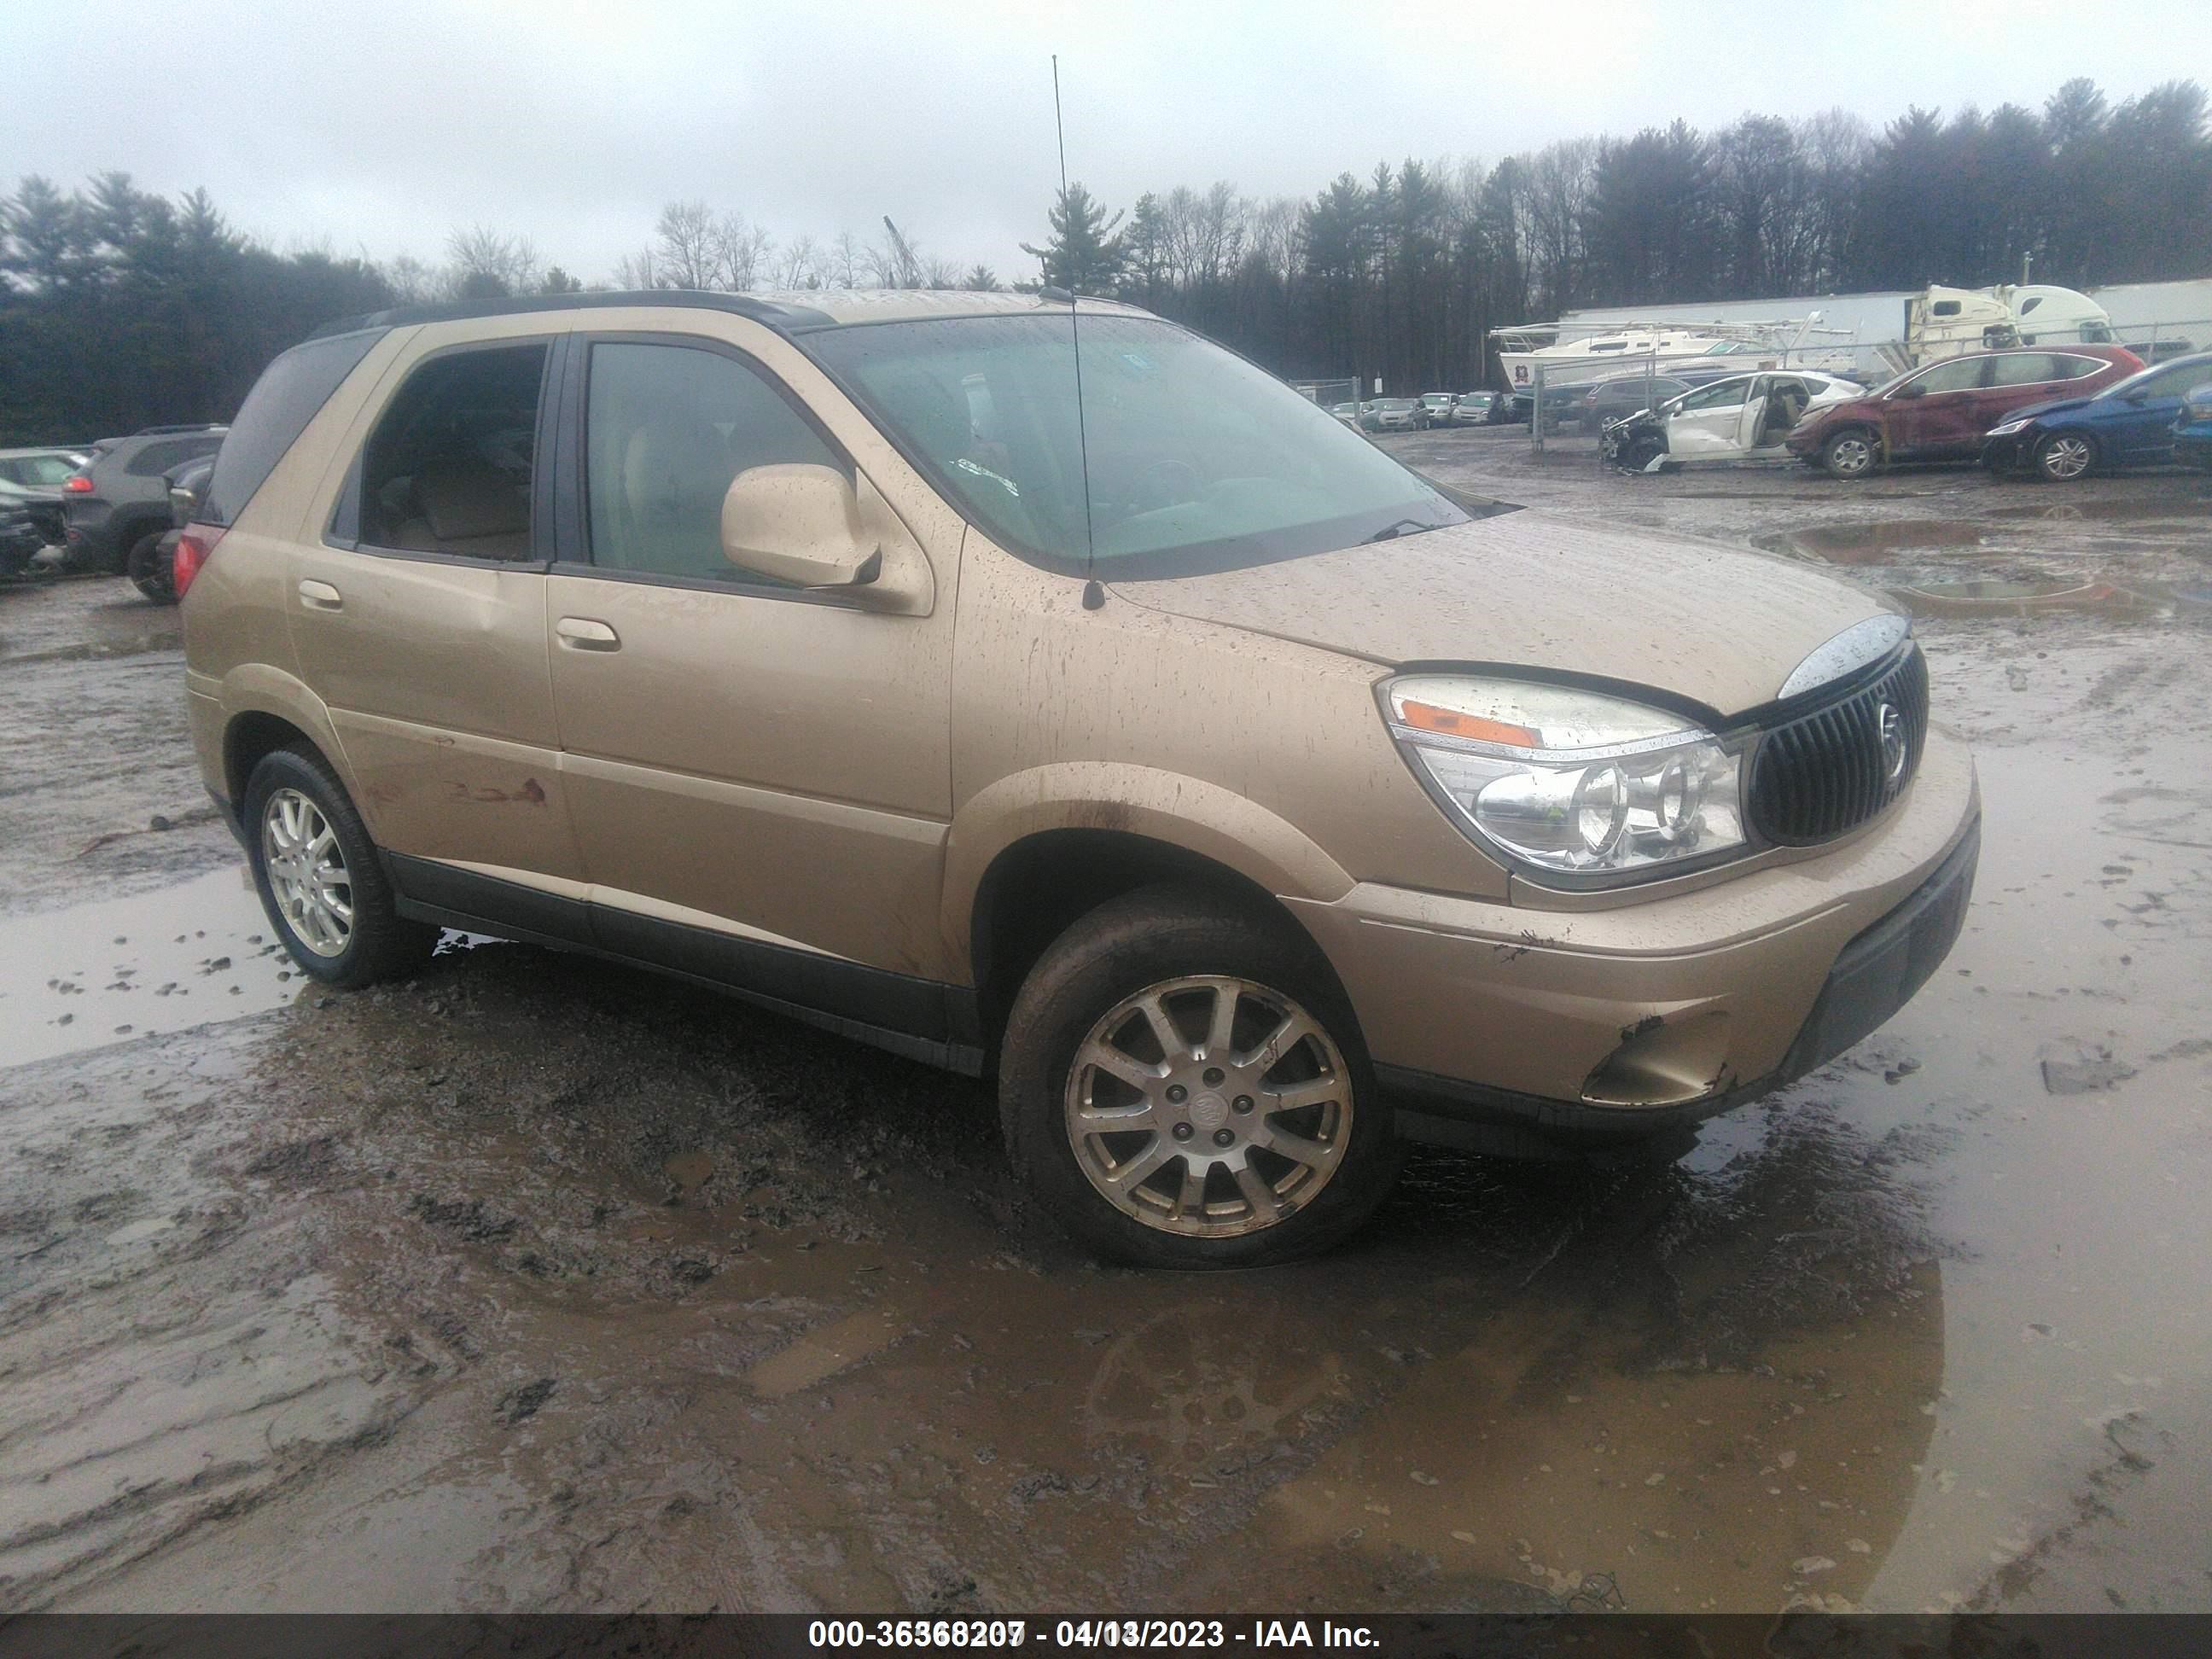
x=155 y=459
x=1959 y=374
x=447 y=469
x=2073 y=368
x=666 y=428
x=2175 y=382
x=1722 y=394
x=2026 y=368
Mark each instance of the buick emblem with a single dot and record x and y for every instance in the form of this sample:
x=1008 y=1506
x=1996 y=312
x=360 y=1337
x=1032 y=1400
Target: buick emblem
x=1895 y=752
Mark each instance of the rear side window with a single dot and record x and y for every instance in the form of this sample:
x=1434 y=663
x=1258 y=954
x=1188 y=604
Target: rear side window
x=288 y=395
x=2073 y=368
x=155 y=459
x=447 y=469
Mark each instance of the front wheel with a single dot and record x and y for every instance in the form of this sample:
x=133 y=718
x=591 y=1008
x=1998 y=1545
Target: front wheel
x=319 y=878
x=1848 y=454
x=1182 y=1085
x=2063 y=457
x=150 y=569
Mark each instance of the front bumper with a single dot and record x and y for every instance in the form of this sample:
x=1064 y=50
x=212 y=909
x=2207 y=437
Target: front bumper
x=1514 y=1029
x=2007 y=453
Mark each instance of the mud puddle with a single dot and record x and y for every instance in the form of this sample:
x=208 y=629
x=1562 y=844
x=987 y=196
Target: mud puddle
x=1873 y=543
x=106 y=972
x=1972 y=596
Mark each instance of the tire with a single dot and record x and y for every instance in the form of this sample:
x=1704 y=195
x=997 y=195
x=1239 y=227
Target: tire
x=1641 y=452
x=2065 y=457
x=149 y=567
x=1851 y=454
x=294 y=789
x=1184 y=948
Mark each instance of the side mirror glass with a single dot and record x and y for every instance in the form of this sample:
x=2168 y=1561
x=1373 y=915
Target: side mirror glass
x=799 y=523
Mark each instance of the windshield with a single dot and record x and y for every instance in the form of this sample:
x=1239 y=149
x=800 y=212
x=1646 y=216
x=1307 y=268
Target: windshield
x=1197 y=460
x=41 y=470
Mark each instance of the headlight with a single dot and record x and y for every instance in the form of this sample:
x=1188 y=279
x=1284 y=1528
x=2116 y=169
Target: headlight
x=2008 y=428
x=1569 y=780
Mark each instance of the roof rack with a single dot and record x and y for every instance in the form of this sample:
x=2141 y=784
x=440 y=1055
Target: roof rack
x=182 y=426
x=775 y=314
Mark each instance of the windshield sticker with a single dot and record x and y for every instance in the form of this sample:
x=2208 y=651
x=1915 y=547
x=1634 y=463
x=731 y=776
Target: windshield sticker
x=967 y=466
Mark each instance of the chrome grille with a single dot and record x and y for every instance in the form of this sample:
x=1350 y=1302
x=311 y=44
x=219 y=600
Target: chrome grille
x=1829 y=771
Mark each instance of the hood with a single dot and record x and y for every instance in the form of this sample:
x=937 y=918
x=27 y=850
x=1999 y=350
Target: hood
x=2053 y=406
x=1718 y=626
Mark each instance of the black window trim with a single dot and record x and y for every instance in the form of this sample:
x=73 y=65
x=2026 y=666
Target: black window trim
x=345 y=507
x=572 y=552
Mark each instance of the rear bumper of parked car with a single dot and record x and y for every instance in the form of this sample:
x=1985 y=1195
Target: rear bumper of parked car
x=1512 y=1029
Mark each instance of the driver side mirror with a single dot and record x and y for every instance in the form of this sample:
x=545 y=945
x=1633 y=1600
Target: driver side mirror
x=799 y=523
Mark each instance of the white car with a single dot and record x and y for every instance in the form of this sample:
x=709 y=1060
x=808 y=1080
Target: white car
x=1744 y=418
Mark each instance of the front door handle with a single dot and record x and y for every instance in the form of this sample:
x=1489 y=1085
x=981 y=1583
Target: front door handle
x=586 y=634
x=320 y=596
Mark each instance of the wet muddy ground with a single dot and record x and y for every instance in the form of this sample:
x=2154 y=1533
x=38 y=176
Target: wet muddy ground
x=537 y=1284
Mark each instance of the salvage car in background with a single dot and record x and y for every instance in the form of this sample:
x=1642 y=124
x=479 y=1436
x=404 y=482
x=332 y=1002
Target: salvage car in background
x=2192 y=429
x=1472 y=408
x=1392 y=415
x=1745 y=418
x=1941 y=412
x=187 y=485
x=2129 y=424
x=117 y=505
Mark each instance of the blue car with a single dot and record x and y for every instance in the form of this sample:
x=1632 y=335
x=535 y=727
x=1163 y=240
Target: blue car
x=2129 y=424
x=2192 y=428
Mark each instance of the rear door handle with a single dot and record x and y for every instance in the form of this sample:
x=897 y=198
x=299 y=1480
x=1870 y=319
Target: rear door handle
x=586 y=634
x=320 y=596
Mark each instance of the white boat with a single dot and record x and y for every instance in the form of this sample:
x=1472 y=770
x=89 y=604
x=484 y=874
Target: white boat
x=1568 y=353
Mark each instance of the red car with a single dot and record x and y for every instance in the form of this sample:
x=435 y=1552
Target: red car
x=1941 y=412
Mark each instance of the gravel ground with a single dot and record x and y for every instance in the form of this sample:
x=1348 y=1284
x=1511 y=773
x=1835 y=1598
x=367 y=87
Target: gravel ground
x=535 y=1283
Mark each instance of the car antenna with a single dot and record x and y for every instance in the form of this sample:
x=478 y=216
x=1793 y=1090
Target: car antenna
x=1094 y=596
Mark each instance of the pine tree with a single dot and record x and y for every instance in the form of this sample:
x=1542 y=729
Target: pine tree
x=1084 y=256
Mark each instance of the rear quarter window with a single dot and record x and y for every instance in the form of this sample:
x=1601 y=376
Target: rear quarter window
x=155 y=459
x=289 y=393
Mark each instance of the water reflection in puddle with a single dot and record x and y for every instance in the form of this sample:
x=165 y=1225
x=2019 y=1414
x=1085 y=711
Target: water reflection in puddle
x=1872 y=544
x=106 y=972
x=1987 y=597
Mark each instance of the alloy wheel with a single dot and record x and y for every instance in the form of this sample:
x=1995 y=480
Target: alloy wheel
x=2064 y=457
x=1208 y=1106
x=307 y=873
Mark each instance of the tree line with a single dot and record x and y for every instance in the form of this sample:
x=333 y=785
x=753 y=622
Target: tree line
x=1402 y=273
x=119 y=308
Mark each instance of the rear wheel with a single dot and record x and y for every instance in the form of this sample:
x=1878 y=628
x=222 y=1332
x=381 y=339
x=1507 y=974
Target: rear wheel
x=150 y=569
x=1183 y=1085
x=1848 y=454
x=2063 y=457
x=319 y=878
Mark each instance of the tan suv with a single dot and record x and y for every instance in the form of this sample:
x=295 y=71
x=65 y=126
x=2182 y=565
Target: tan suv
x=1241 y=801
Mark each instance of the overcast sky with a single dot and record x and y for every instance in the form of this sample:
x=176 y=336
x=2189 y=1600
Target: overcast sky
x=379 y=125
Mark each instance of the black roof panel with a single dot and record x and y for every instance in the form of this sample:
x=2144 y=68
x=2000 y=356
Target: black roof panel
x=776 y=314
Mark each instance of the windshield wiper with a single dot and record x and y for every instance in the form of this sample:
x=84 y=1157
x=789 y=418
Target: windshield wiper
x=1390 y=532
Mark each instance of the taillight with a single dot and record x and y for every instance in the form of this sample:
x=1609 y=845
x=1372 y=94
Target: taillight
x=77 y=484
x=194 y=549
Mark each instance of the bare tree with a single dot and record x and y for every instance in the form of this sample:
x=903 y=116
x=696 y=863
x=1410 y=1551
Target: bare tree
x=847 y=260
x=687 y=247
x=486 y=263
x=639 y=271
x=742 y=251
x=800 y=265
